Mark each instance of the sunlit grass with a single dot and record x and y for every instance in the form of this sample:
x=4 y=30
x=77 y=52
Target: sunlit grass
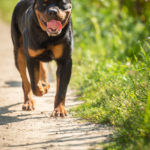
x=111 y=73
x=111 y=69
x=6 y=8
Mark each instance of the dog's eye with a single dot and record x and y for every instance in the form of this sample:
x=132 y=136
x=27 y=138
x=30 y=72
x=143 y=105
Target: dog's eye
x=45 y=3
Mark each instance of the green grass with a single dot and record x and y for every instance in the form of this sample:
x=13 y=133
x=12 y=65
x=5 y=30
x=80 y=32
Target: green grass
x=6 y=8
x=111 y=69
x=112 y=72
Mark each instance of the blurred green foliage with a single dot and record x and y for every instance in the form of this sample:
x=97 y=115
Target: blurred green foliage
x=111 y=66
x=6 y=8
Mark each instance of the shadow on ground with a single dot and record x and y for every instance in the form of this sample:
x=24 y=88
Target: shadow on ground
x=13 y=84
x=6 y=117
x=76 y=141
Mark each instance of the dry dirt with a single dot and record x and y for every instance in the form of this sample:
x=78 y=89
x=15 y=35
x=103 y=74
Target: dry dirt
x=21 y=130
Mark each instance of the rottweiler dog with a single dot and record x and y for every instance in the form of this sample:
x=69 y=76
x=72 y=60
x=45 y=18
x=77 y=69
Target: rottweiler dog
x=41 y=31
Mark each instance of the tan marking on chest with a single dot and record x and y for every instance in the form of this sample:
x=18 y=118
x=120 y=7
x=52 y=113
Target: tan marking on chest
x=57 y=50
x=34 y=53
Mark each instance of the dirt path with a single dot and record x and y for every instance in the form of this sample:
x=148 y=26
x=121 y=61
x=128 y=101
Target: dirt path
x=20 y=130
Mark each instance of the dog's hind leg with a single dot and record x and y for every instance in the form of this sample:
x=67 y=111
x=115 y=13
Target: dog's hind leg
x=21 y=66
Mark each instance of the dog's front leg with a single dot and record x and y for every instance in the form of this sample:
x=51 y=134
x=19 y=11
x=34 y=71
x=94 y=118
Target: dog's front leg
x=63 y=77
x=34 y=72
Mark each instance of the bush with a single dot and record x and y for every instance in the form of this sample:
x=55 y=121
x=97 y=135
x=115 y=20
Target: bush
x=111 y=70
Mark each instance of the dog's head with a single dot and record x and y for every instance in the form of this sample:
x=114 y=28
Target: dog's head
x=52 y=15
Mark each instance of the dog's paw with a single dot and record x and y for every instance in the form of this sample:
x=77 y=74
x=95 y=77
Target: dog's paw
x=59 y=111
x=46 y=86
x=41 y=89
x=29 y=105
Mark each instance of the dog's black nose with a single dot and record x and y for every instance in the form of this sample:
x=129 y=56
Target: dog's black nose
x=52 y=12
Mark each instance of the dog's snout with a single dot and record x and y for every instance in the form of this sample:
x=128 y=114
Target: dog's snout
x=52 y=11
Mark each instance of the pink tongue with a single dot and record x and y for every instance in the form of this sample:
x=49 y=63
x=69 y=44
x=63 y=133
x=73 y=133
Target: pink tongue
x=54 y=25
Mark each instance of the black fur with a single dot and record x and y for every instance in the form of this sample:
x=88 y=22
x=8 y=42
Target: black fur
x=25 y=24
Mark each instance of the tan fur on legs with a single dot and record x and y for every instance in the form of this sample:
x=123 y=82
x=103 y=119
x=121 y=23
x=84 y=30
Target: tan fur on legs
x=43 y=76
x=21 y=64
